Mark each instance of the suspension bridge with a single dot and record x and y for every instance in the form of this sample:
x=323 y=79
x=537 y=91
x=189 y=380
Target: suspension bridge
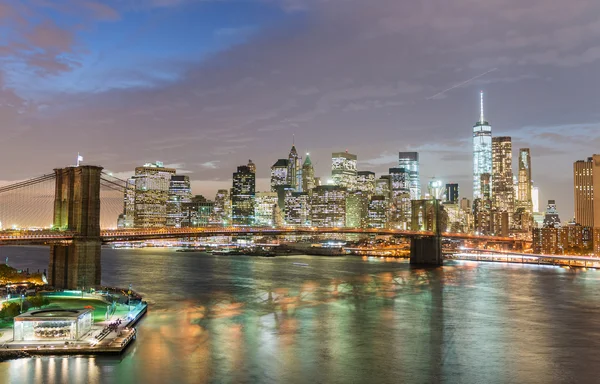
x=74 y=210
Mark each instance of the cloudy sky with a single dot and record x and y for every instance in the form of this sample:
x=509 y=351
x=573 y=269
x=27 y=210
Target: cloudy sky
x=206 y=85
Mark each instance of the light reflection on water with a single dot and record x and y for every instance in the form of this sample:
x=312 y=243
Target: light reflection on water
x=266 y=320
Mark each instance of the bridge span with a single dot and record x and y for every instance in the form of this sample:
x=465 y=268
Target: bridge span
x=41 y=237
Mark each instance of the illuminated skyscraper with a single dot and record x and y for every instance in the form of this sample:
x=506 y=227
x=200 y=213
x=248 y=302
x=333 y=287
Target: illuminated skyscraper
x=328 y=206
x=535 y=199
x=377 y=212
x=279 y=172
x=400 y=197
x=297 y=209
x=365 y=182
x=264 y=207
x=410 y=162
x=503 y=193
x=294 y=172
x=308 y=175
x=586 y=177
x=242 y=196
x=482 y=151
x=452 y=193
x=151 y=194
x=222 y=208
x=435 y=189
x=180 y=193
x=524 y=189
x=343 y=170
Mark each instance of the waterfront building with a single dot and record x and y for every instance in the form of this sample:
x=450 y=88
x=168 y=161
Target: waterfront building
x=308 y=175
x=400 y=205
x=242 y=196
x=410 y=162
x=586 y=180
x=503 y=193
x=222 y=208
x=328 y=206
x=279 y=172
x=53 y=325
x=180 y=193
x=343 y=170
x=294 y=171
x=297 y=209
x=482 y=151
x=377 y=212
x=572 y=239
x=264 y=207
x=365 y=182
x=152 y=183
x=451 y=195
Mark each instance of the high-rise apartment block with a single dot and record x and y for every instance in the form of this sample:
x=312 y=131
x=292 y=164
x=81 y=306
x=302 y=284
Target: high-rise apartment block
x=586 y=177
x=482 y=151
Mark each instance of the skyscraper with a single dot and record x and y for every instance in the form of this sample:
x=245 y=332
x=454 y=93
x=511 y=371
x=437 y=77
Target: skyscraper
x=151 y=194
x=584 y=173
x=180 y=193
x=503 y=193
x=551 y=218
x=242 y=196
x=435 y=190
x=343 y=170
x=264 y=207
x=308 y=175
x=452 y=193
x=400 y=197
x=294 y=172
x=482 y=151
x=279 y=174
x=297 y=209
x=365 y=182
x=328 y=206
x=410 y=162
x=222 y=208
x=524 y=188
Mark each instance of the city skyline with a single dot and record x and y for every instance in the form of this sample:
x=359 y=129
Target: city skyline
x=74 y=89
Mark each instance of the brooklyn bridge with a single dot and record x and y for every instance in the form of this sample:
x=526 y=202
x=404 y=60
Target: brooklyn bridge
x=80 y=203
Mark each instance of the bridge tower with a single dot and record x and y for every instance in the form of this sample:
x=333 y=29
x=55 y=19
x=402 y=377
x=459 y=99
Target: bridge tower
x=426 y=250
x=77 y=209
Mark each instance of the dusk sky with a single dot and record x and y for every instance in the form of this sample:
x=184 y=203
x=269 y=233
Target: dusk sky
x=206 y=85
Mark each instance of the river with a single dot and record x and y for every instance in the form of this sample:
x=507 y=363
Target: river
x=308 y=319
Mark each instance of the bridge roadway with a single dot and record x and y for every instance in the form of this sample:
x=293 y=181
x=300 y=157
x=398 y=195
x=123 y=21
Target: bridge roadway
x=47 y=237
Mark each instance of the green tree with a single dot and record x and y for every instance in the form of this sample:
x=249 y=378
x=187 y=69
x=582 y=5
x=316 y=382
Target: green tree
x=38 y=301
x=10 y=310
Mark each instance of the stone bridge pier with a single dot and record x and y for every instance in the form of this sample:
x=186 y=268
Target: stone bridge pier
x=426 y=216
x=77 y=265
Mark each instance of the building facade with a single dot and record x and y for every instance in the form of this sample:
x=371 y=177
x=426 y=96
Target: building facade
x=242 y=196
x=308 y=175
x=503 y=192
x=264 y=208
x=343 y=170
x=328 y=206
x=152 y=183
x=410 y=162
x=482 y=151
x=180 y=193
x=279 y=174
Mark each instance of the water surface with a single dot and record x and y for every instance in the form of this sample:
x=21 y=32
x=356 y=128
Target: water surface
x=237 y=319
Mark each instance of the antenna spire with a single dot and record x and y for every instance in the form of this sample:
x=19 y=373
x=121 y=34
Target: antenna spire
x=293 y=139
x=481 y=101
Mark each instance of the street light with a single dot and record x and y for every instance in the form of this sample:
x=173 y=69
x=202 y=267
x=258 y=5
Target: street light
x=22 y=297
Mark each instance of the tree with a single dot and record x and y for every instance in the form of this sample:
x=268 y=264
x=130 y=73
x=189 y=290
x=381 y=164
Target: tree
x=10 y=310
x=38 y=301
